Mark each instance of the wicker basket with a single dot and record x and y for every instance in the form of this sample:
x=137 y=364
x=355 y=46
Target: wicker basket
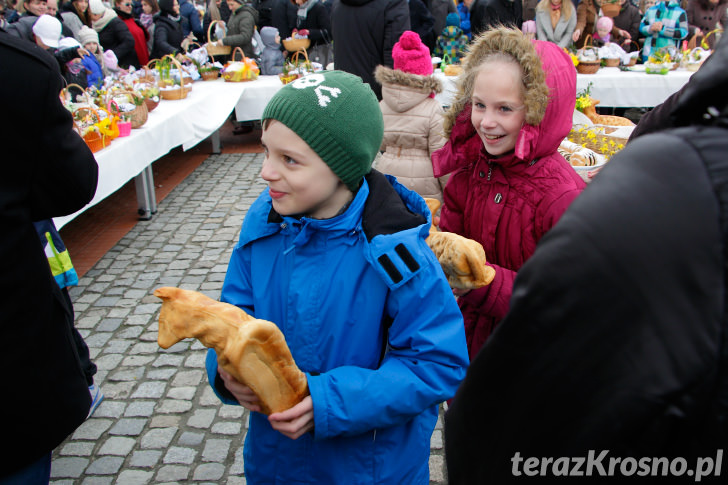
x=218 y=49
x=231 y=77
x=210 y=75
x=151 y=104
x=95 y=140
x=139 y=115
x=611 y=9
x=611 y=62
x=178 y=91
x=588 y=67
x=295 y=45
x=625 y=46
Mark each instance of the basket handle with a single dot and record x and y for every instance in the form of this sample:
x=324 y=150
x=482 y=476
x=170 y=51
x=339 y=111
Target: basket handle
x=627 y=42
x=209 y=29
x=237 y=49
x=295 y=57
x=587 y=41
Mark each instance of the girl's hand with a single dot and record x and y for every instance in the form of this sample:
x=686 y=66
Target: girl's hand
x=656 y=27
x=82 y=52
x=296 y=421
x=575 y=36
x=245 y=395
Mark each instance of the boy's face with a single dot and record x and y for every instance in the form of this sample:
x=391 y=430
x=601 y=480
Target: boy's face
x=299 y=181
x=602 y=32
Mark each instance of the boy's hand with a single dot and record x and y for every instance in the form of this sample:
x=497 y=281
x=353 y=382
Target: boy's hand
x=245 y=395
x=656 y=27
x=296 y=421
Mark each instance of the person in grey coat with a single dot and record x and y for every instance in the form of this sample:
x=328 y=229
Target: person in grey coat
x=271 y=59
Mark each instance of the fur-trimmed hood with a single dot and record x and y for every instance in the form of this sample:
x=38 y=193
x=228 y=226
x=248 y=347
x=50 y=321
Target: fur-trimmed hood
x=402 y=90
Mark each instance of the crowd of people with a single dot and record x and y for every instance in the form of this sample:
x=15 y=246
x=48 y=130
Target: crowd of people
x=573 y=346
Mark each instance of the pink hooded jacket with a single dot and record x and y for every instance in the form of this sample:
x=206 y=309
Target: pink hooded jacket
x=508 y=203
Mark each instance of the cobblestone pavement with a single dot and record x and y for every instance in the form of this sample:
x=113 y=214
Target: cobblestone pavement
x=160 y=422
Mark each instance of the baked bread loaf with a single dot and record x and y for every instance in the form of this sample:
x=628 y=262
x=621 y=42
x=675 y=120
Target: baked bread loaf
x=452 y=70
x=253 y=351
x=462 y=259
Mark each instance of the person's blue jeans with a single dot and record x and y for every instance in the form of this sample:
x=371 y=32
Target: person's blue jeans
x=37 y=473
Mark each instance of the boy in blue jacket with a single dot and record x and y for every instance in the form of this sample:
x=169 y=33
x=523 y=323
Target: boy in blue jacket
x=334 y=253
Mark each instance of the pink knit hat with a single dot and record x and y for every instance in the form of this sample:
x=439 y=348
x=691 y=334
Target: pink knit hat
x=411 y=55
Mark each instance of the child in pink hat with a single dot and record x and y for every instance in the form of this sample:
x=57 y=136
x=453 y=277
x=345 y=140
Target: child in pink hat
x=412 y=117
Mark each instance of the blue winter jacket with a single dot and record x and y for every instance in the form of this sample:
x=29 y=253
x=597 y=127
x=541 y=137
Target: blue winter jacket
x=369 y=317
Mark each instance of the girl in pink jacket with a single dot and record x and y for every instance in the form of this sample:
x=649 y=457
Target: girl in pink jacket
x=508 y=184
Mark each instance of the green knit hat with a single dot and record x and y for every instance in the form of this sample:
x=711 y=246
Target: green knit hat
x=338 y=116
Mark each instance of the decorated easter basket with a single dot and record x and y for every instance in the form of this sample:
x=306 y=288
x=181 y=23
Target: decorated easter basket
x=587 y=66
x=218 y=49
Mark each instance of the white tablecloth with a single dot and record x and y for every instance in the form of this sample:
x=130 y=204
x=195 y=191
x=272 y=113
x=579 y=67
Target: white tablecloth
x=255 y=97
x=183 y=122
x=611 y=86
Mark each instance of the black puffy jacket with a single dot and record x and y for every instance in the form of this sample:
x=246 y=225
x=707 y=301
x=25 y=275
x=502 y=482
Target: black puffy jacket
x=364 y=32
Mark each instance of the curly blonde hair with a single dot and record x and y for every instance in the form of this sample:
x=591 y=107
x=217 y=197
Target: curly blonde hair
x=502 y=43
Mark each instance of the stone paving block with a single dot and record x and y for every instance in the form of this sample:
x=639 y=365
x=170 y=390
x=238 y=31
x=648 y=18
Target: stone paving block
x=173 y=473
x=110 y=408
x=117 y=445
x=178 y=454
x=135 y=477
x=68 y=467
x=216 y=450
x=189 y=378
x=202 y=417
x=163 y=373
x=128 y=427
x=183 y=393
x=227 y=428
x=106 y=465
x=77 y=448
x=209 y=471
x=140 y=408
x=174 y=406
x=92 y=429
x=145 y=458
x=98 y=480
x=164 y=421
x=158 y=438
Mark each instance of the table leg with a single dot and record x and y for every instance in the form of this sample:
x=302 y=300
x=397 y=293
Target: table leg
x=146 y=198
x=215 y=140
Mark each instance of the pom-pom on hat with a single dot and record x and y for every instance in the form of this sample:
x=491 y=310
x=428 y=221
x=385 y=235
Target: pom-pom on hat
x=87 y=34
x=411 y=55
x=96 y=7
x=338 y=116
x=48 y=30
x=452 y=19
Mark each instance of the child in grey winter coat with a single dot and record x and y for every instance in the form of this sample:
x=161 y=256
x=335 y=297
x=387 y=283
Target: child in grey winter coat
x=271 y=59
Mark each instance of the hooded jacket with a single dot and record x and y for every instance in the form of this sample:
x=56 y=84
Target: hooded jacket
x=368 y=316
x=240 y=28
x=271 y=59
x=364 y=33
x=674 y=26
x=412 y=130
x=616 y=337
x=507 y=204
x=452 y=42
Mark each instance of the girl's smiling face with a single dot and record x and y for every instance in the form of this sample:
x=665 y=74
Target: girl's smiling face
x=299 y=181
x=498 y=111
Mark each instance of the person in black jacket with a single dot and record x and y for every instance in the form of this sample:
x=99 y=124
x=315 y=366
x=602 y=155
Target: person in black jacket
x=485 y=14
x=616 y=343
x=313 y=16
x=422 y=22
x=364 y=33
x=113 y=33
x=168 y=34
x=47 y=173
